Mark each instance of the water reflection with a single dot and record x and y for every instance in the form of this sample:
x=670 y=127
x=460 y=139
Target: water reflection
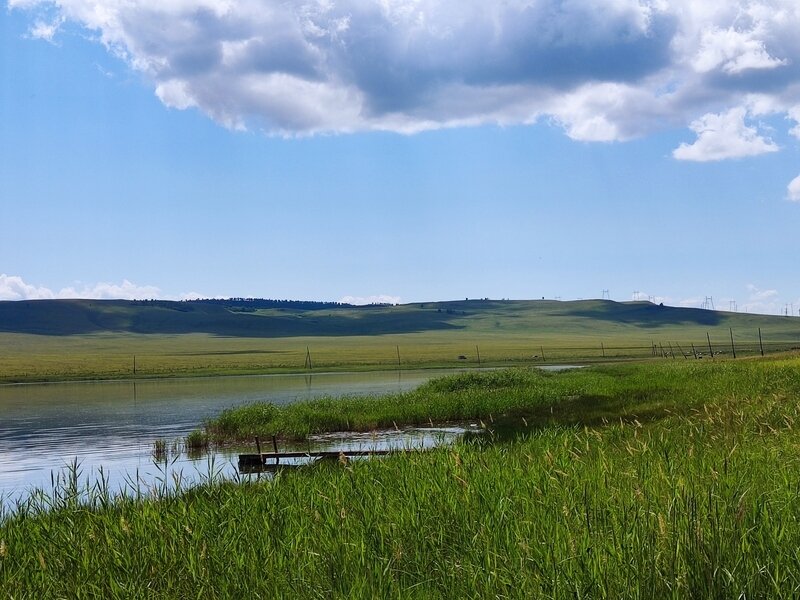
x=114 y=425
x=44 y=427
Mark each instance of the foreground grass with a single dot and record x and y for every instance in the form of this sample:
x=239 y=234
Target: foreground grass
x=701 y=500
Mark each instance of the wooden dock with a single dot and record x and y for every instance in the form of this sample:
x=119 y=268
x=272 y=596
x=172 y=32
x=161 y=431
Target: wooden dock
x=248 y=461
x=262 y=461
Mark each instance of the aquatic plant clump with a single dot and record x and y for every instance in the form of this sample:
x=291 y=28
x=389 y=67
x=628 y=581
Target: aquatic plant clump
x=585 y=396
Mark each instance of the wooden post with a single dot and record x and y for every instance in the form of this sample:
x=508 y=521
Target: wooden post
x=682 y=352
x=660 y=345
x=258 y=446
x=671 y=351
x=134 y=366
x=603 y=348
x=398 y=356
x=478 y=352
x=760 y=342
x=710 y=349
x=694 y=351
x=733 y=346
x=275 y=448
x=308 y=364
x=543 y=358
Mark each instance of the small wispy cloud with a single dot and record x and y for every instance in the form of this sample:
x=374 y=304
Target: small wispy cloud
x=44 y=30
x=763 y=301
x=375 y=299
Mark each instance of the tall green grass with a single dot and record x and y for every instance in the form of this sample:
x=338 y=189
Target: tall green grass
x=514 y=396
x=699 y=501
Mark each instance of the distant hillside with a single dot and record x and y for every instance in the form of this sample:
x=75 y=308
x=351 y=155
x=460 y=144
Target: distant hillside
x=280 y=318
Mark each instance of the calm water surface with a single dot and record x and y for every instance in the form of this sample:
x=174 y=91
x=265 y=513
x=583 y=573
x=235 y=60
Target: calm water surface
x=113 y=425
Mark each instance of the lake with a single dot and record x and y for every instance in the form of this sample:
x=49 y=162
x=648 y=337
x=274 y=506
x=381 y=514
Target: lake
x=114 y=424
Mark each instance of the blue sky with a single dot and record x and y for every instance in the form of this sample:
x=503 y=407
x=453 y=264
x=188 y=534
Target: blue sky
x=401 y=150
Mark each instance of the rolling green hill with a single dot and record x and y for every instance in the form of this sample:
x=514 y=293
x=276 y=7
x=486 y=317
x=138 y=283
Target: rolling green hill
x=71 y=339
x=252 y=319
x=237 y=318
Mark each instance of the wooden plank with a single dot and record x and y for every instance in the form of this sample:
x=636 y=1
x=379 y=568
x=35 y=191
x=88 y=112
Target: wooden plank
x=264 y=457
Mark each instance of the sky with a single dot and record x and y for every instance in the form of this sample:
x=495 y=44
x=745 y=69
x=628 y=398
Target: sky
x=402 y=150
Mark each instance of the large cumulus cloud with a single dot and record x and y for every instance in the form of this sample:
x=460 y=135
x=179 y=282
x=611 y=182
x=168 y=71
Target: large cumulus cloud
x=605 y=70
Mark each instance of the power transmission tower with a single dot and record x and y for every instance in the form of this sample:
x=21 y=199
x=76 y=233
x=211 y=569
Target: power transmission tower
x=636 y=295
x=606 y=295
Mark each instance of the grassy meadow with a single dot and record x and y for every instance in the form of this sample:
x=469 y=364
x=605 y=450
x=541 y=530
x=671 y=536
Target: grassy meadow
x=69 y=340
x=673 y=479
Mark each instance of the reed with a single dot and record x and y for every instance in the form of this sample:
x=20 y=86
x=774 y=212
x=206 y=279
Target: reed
x=506 y=398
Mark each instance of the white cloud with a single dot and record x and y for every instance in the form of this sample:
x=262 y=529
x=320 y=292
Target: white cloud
x=758 y=295
x=794 y=115
x=691 y=302
x=376 y=299
x=762 y=301
x=794 y=189
x=45 y=31
x=108 y=291
x=733 y=52
x=605 y=70
x=724 y=136
x=13 y=287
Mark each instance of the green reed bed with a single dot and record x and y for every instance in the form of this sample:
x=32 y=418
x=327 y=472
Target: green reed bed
x=585 y=396
x=703 y=502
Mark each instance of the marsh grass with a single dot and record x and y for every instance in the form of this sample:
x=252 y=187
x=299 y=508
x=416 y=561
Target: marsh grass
x=511 y=399
x=700 y=500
